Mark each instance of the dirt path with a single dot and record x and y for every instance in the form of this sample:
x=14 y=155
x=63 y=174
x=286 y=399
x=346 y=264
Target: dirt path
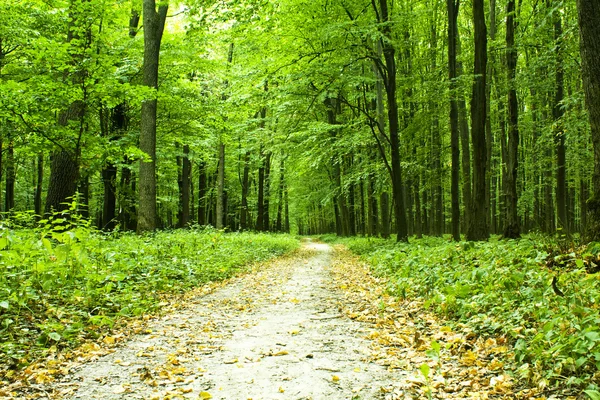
x=274 y=334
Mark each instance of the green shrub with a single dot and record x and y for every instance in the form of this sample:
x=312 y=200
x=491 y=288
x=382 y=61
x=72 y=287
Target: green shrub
x=62 y=281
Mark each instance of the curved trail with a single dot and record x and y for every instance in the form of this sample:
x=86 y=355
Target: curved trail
x=274 y=334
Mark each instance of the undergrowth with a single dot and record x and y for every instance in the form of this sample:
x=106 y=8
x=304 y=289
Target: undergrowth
x=62 y=281
x=543 y=294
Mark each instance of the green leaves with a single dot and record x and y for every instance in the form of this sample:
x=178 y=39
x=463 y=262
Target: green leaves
x=62 y=286
x=503 y=288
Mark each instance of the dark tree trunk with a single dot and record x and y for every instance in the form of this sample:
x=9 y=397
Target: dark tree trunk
x=559 y=135
x=478 y=227
x=267 y=190
x=154 y=23
x=362 y=225
x=512 y=229
x=109 y=203
x=589 y=30
x=279 y=221
x=37 y=203
x=261 y=193
x=202 y=185
x=351 y=211
x=184 y=188
x=372 y=201
x=384 y=202
x=245 y=189
x=389 y=54
x=453 y=7
x=220 y=214
x=286 y=211
x=9 y=198
x=418 y=219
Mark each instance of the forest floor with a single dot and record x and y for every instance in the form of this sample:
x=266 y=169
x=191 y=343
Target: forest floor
x=314 y=326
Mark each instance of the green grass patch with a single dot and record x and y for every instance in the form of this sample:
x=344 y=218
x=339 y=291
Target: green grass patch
x=543 y=295
x=62 y=282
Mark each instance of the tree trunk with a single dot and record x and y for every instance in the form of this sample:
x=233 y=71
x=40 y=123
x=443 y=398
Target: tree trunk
x=589 y=30
x=478 y=227
x=512 y=229
x=109 y=203
x=37 y=202
x=9 y=198
x=220 y=188
x=261 y=193
x=453 y=7
x=384 y=202
x=279 y=221
x=267 y=191
x=154 y=23
x=184 y=188
x=559 y=135
x=245 y=189
x=389 y=54
x=202 y=185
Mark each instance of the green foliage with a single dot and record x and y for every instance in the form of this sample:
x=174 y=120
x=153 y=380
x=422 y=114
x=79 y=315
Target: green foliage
x=505 y=288
x=63 y=281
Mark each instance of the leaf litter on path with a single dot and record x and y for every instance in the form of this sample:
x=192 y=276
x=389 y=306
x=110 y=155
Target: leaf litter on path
x=317 y=326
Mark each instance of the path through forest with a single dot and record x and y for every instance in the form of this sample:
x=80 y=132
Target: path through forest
x=315 y=325
x=274 y=334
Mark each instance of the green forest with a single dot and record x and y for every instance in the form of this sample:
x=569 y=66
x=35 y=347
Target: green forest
x=148 y=148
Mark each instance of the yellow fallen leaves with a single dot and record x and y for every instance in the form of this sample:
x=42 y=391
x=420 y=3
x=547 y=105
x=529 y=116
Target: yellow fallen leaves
x=403 y=335
x=335 y=378
x=204 y=396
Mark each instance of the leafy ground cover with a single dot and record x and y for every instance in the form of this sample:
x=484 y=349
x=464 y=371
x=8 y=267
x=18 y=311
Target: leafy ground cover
x=541 y=295
x=63 y=282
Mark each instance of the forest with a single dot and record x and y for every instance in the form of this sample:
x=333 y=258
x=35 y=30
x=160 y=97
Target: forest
x=149 y=147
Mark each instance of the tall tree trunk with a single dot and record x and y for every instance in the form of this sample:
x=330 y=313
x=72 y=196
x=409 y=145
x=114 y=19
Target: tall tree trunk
x=389 y=54
x=286 y=211
x=184 y=188
x=559 y=135
x=589 y=30
x=115 y=130
x=9 y=197
x=267 y=191
x=384 y=202
x=261 y=193
x=279 y=221
x=512 y=229
x=478 y=227
x=245 y=189
x=37 y=203
x=453 y=7
x=220 y=188
x=154 y=23
x=202 y=186
x=372 y=202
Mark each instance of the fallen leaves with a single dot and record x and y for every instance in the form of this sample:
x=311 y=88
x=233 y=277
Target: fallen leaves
x=462 y=365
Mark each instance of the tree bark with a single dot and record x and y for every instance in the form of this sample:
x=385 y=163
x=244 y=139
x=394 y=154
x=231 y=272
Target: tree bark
x=37 y=202
x=245 y=189
x=512 y=228
x=389 y=54
x=478 y=227
x=589 y=30
x=184 y=188
x=202 y=185
x=154 y=23
x=559 y=135
x=9 y=197
x=220 y=188
x=453 y=7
